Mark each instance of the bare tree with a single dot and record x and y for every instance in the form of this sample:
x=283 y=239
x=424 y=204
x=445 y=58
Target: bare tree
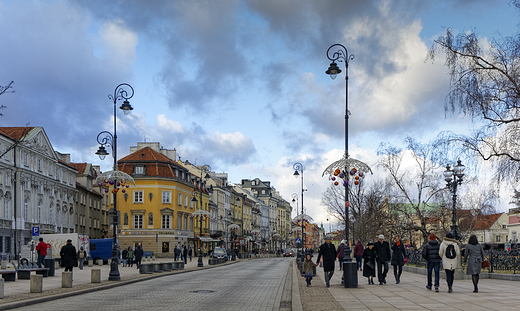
x=484 y=84
x=415 y=187
x=366 y=208
x=5 y=89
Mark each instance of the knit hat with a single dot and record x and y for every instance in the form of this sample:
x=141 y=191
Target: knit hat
x=370 y=243
x=343 y=242
x=327 y=237
x=449 y=235
x=432 y=237
x=381 y=237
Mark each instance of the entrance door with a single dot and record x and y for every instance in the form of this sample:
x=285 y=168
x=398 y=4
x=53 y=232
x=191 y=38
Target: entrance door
x=165 y=247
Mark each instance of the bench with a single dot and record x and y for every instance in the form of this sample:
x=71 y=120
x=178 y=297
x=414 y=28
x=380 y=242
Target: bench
x=25 y=274
x=8 y=275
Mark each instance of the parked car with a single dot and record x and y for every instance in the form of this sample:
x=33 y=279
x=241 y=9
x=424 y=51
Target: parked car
x=288 y=253
x=219 y=252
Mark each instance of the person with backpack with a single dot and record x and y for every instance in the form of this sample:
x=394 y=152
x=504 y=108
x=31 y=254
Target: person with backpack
x=82 y=256
x=341 y=254
x=450 y=254
x=430 y=252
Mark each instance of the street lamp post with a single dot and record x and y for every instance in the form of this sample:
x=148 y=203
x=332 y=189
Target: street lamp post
x=295 y=199
x=298 y=168
x=203 y=169
x=453 y=177
x=123 y=91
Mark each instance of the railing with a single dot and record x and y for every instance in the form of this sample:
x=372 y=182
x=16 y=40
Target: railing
x=499 y=260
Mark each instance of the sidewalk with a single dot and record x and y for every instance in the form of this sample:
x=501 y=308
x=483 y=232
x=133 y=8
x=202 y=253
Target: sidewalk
x=18 y=292
x=411 y=294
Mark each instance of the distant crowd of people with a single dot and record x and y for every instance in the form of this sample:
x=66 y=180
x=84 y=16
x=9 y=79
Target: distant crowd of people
x=376 y=258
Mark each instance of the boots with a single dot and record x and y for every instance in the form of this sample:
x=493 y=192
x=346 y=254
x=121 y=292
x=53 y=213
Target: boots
x=449 y=289
x=475 y=290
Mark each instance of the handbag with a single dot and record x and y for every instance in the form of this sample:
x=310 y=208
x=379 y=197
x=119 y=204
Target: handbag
x=371 y=265
x=485 y=264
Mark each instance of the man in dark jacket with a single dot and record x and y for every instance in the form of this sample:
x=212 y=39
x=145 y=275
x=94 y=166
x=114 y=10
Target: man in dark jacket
x=358 y=253
x=68 y=256
x=328 y=251
x=430 y=252
x=138 y=255
x=382 y=249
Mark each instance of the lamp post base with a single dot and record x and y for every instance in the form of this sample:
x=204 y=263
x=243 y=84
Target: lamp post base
x=199 y=263
x=114 y=275
x=350 y=277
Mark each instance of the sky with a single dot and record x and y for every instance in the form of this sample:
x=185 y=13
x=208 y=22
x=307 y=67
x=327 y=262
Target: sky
x=238 y=85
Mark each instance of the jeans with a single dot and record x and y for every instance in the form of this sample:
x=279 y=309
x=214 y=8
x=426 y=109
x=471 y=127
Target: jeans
x=41 y=259
x=381 y=274
x=435 y=266
x=398 y=270
x=124 y=262
x=328 y=276
x=340 y=259
x=81 y=263
x=359 y=260
x=449 y=277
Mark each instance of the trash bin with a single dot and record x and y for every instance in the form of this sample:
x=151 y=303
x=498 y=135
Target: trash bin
x=50 y=263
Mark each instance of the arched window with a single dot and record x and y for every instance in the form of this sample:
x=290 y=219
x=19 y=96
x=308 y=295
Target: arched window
x=150 y=219
x=26 y=209
x=39 y=212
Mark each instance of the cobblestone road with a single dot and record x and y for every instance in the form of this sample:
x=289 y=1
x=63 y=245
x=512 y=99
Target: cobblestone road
x=250 y=285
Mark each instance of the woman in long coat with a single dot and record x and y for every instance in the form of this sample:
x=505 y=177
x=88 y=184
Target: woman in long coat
x=369 y=265
x=473 y=257
x=397 y=259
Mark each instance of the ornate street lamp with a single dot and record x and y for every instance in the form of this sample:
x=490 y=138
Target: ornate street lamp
x=453 y=177
x=346 y=167
x=295 y=199
x=115 y=178
x=298 y=168
x=201 y=214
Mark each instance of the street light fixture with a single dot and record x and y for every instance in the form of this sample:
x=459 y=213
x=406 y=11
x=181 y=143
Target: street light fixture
x=203 y=169
x=123 y=91
x=453 y=177
x=298 y=168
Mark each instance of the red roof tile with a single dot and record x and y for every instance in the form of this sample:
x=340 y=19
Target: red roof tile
x=15 y=133
x=80 y=167
x=486 y=221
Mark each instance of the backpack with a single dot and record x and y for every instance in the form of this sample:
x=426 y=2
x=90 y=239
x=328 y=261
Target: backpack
x=450 y=252
x=81 y=254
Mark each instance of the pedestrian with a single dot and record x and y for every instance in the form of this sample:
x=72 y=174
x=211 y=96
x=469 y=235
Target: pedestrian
x=382 y=249
x=307 y=268
x=68 y=256
x=341 y=254
x=369 y=266
x=82 y=256
x=41 y=248
x=430 y=252
x=138 y=255
x=185 y=254
x=358 y=254
x=328 y=251
x=450 y=254
x=123 y=255
x=176 y=253
x=473 y=257
x=130 y=256
x=398 y=256
x=190 y=252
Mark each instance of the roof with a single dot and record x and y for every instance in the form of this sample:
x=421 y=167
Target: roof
x=486 y=221
x=80 y=167
x=15 y=133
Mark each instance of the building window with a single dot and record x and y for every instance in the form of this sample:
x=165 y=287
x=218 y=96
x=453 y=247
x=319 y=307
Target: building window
x=39 y=166
x=150 y=219
x=39 y=189
x=6 y=179
x=50 y=214
x=167 y=197
x=186 y=200
x=138 y=196
x=180 y=199
x=25 y=159
x=498 y=238
x=6 y=209
x=26 y=210
x=166 y=221
x=26 y=185
x=39 y=213
x=7 y=244
x=138 y=221
x=139 y=170
x=125 y=219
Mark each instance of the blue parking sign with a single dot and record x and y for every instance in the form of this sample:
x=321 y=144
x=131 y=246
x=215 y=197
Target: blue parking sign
x=35 y=231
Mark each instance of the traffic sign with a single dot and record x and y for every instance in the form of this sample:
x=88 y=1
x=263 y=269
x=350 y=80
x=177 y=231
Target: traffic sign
x=35 y=231
x=298 y=241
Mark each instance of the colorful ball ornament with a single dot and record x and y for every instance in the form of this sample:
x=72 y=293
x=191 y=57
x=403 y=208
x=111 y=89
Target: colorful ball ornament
x=341 y=175
x=333 y=178
x=356 y=182
x=352 y=172
x=100 y=184
x=106 y=190
x=111 y=182
x=360 y=174
x=123 y=191
x=118 y=184
x=345 y=183
x=335 y=183
x=357 y=178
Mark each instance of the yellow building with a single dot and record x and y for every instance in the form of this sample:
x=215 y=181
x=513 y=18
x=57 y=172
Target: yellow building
x=157 y=212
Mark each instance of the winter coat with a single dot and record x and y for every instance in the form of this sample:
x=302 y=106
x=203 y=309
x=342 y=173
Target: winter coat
x=341 y=250
x=184 y=252
x=125 y=251
x=382 y=251
x=328 y=251
x=430 y=251
x=476 y=256
x=307 y=267
x=139 y=252
x=369 y=255
x=68 y=255
x=358 y=249
x=449 y=263
x=398 y=254
x=42 y=248
x=130 y=255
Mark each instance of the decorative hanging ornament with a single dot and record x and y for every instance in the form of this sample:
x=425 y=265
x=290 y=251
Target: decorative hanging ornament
x=123 y=191
x=345 y=183
x=111 y=182
x=336 y=183
x=361 y=174
x=333 y=178
x=106 y=190
x=356 y=182
x=352 y=172
x=118 y=184
x=341 y=175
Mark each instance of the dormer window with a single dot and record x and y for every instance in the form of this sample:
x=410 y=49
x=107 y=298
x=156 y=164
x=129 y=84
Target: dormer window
x=139 y=170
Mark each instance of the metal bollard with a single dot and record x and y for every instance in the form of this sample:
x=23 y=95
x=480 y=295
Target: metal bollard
x=2 y=288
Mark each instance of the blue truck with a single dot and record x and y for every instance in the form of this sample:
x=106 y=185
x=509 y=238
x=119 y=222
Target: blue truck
x=101 y=249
